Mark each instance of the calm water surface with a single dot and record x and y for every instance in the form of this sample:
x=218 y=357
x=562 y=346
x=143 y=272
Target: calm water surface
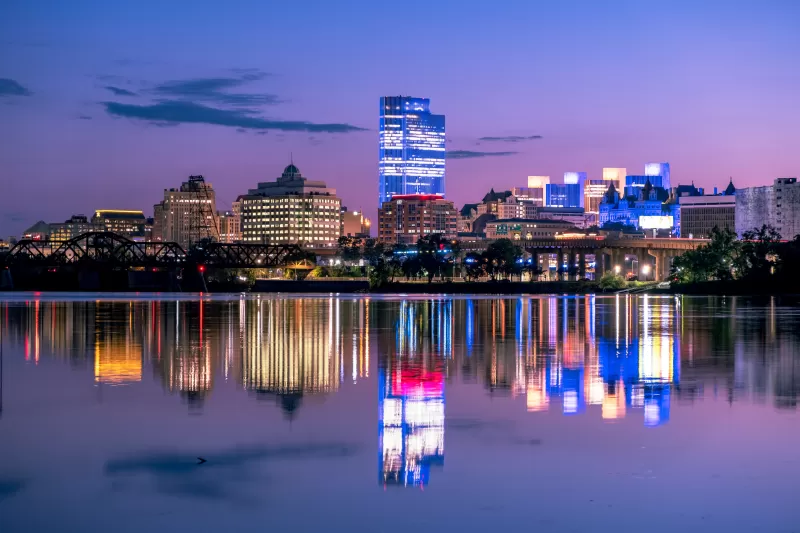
x=629 y=413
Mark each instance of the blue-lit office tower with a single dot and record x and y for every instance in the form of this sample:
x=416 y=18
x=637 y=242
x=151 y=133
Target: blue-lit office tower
x=567 y=194
x=412 y=148
x=658 y=169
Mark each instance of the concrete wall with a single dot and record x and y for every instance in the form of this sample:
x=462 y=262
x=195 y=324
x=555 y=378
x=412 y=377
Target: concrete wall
x=755 y=206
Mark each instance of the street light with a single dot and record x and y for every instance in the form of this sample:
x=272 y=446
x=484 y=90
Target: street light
x=645 y=269
x=617 y=269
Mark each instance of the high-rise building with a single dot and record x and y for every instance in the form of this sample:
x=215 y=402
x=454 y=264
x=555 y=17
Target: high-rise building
x=787 y=207
x=658 y=169
x=594 y=190
x=187 y=214
x=635 y=183
x=563 y=195
x=129 y=224
x=411 y=159
x=615 y=175
x=407 y=217
x=292 y=210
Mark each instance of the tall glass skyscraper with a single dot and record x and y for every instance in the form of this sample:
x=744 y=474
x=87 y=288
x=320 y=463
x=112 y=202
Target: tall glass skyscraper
x=412 y=147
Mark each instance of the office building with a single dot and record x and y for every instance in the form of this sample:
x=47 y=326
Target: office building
x=407 y=217
x=594 y=190
x=526 y=229
x=563 y=194
x=635 y=183
x=230 y=226
x=129 y=224
x=292 y=210
x=700 y=214
x=411 y=157
x=71 y=228
x=755 y=206
x=187 y=214
x=574 y=215
x=615 y=176
x=355 y=224
x=658 y=169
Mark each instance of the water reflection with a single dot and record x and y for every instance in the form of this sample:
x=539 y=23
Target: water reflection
x=610 y=358
x=411 y=405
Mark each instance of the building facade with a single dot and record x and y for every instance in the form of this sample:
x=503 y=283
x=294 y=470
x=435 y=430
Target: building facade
x=230 y=226
x=69 y=229
x=406 y=218
x=355 y=224
x=658 y=169
x=699 y=214
x=648 y=201
x=787 y=207
x=755 y=206
x=563 y=195
x=129 y=224
x=292 y=210
x=526 y=229
x=187 y=214
x=411 y=157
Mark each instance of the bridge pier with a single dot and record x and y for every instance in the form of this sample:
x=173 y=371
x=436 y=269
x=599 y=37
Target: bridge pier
x=581 y=265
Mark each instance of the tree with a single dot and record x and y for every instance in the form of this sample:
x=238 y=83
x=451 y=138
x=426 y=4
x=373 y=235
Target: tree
x=759 y=252
x=612 y=281
x=502 y=257
x=431 y=250
x=350 y=248
x=717 y=260
x=474 y=265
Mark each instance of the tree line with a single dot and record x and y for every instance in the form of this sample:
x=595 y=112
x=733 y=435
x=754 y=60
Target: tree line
x=760 y=256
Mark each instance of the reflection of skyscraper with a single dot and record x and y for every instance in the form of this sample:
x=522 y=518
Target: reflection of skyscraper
x=411 y=421
x=412 y=148
x=411 y=394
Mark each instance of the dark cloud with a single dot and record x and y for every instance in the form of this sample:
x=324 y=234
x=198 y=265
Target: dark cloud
x=223 y=473
x=180 y=112
x=511 y=138
x=217 y=90
x=9 y=87
x=84 y=117
x=470 y=154
x=119 y=91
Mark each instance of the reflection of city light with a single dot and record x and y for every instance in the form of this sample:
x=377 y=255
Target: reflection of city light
x=614 y=402
x=570 y=402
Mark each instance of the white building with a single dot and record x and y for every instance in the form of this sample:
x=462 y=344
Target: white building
x=292 y=210
x=187 y=214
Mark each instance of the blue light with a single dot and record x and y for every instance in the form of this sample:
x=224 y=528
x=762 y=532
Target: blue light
x=411 y=148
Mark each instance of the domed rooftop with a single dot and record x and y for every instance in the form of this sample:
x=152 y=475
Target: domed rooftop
x=291 y=172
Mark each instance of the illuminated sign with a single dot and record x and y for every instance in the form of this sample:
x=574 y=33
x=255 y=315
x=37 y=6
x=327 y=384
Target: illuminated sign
x=655 y=222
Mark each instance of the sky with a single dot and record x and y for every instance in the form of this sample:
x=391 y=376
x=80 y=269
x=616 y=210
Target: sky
x=105 y=104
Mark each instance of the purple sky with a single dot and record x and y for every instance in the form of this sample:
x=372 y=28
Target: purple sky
x=221 y=89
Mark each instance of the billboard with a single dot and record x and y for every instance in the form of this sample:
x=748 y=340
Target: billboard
x=655 y=222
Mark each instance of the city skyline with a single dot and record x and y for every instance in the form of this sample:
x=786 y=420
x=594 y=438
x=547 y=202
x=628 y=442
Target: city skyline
x=85 y=110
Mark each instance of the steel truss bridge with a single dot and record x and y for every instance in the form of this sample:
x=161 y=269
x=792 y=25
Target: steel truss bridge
x=110 y=250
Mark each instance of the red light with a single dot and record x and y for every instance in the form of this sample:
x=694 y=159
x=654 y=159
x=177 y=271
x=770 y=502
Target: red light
x=201 y=268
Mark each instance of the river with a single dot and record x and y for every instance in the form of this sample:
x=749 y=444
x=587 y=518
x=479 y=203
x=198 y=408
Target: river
x=132 y=413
